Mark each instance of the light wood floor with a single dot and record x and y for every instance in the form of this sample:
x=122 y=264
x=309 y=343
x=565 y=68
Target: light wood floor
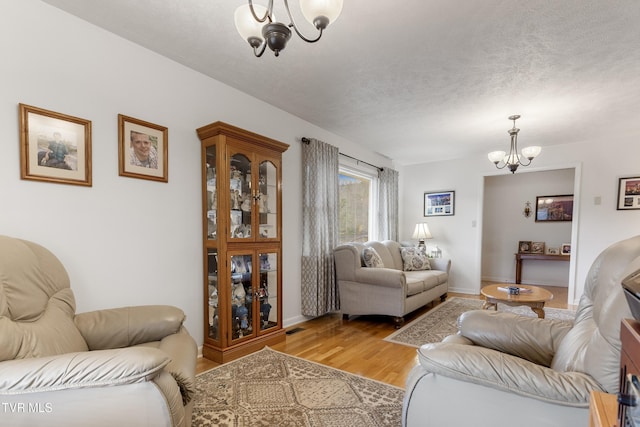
x=357 y=345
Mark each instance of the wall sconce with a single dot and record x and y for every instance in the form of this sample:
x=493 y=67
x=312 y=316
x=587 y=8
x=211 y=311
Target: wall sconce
x=527 y=210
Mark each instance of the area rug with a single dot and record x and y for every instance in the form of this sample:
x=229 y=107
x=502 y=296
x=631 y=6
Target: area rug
x=269 y=388
x=440 y=321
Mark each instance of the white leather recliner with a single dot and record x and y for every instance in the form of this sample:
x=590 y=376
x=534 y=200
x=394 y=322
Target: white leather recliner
x=504 y=370
x=132 y=366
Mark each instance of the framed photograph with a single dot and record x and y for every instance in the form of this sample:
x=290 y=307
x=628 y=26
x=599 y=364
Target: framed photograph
x=537 y=247
x=565 y=249
x=629 y=193
x=54 y=147
x=142 y=150
x=553 y=251
x=554 y=208
x=524 y=247
x=439 y=204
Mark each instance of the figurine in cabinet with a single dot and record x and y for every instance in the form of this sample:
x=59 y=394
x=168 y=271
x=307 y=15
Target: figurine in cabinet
x=235 y=199
x=246 y=204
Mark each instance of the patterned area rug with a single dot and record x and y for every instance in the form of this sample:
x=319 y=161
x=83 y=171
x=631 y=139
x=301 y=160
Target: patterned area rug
x=441 y=321
x=269 y=388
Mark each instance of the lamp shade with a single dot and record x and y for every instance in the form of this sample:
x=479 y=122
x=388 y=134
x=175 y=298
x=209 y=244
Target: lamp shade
x=496 y=156
x=246 y=24
x=531 y=152
x=312 y=9
x=421 y=231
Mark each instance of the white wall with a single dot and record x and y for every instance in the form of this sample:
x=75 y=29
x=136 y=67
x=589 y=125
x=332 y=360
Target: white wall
x=595 y=226
x=128 y=241
x=503 y=225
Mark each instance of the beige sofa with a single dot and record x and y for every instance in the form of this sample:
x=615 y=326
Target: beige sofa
x=504 y=370
x=388 y=290
x=132 y=366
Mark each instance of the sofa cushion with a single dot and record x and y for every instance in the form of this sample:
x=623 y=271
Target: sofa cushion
x=414 y=259
x=415 y=285
x=371 y=258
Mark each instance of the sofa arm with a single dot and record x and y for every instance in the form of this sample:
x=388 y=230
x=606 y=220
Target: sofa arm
x=442 y=264
x=79 y=370
x=508 y=373
x=387 y=277
x=530 y=338
x=127 y=326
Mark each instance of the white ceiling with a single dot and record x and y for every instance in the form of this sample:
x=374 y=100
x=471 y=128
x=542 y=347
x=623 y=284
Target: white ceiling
x=418 y=80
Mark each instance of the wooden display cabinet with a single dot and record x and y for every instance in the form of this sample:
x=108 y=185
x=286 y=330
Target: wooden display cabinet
x=242 y=241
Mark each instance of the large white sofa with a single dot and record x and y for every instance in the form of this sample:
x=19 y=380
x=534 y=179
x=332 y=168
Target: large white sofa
x=388 y=290
x=504 y=370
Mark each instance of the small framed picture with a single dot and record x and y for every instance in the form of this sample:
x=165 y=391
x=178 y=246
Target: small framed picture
x=554 y=208
x=440 y=203
x=628 y=193
x=524 y=247
x=142 y=149
x=565 y=249
x=54 y=147
x=553 y=251
x=537 y=247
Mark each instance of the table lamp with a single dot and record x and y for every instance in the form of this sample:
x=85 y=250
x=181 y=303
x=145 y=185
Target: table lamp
x=421 y=232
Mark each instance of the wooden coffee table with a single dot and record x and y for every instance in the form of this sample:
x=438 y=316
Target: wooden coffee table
x=534 y=299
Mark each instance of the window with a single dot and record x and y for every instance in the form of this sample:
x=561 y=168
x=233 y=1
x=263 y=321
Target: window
x=357 y=194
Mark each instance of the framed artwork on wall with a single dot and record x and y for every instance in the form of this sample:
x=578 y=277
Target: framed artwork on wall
x=54 y=147
x=440 y=203
x=142 y=149
x=554 y=208
x=565 y=249
x=629 y=193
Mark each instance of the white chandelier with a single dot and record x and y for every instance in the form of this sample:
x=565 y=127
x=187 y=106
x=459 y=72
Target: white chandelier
x=513 y=160
x=258 y=26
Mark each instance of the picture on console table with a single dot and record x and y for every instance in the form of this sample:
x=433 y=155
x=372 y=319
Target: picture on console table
x=554 y=208
x=524 y=247
x=629 y=193
x=439 y=204
x=537 y=248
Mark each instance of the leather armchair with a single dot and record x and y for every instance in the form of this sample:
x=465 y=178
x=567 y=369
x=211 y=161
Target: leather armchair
x=132 y=366
x=504 y=370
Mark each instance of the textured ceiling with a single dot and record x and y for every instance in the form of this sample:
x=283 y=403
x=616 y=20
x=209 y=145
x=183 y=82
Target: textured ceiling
x=418 y=80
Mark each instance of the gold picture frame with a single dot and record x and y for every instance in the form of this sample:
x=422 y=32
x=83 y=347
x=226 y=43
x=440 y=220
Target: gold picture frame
x=54 y=147
x=537 y=247
x=142 y=149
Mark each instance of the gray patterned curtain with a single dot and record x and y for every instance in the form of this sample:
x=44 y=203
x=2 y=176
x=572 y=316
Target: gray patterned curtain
x=388 y=204
x=319 y=227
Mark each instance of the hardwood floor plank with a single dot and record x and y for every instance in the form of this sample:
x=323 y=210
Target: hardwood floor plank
x=356 y=345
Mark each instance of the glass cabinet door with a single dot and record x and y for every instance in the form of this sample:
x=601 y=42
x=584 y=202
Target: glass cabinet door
x=212 y=197
x=241 y=296
x=267 y=293
x=268 y=200
x=212 y=269
x=240 y=196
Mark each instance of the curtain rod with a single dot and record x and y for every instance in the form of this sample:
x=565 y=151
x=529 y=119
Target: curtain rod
x=306 y=140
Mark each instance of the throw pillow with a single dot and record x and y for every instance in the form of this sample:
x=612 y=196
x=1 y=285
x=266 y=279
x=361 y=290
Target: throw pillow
x=371 y=258
x=414 y=259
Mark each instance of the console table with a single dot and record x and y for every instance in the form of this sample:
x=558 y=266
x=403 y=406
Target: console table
x=540 y=257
